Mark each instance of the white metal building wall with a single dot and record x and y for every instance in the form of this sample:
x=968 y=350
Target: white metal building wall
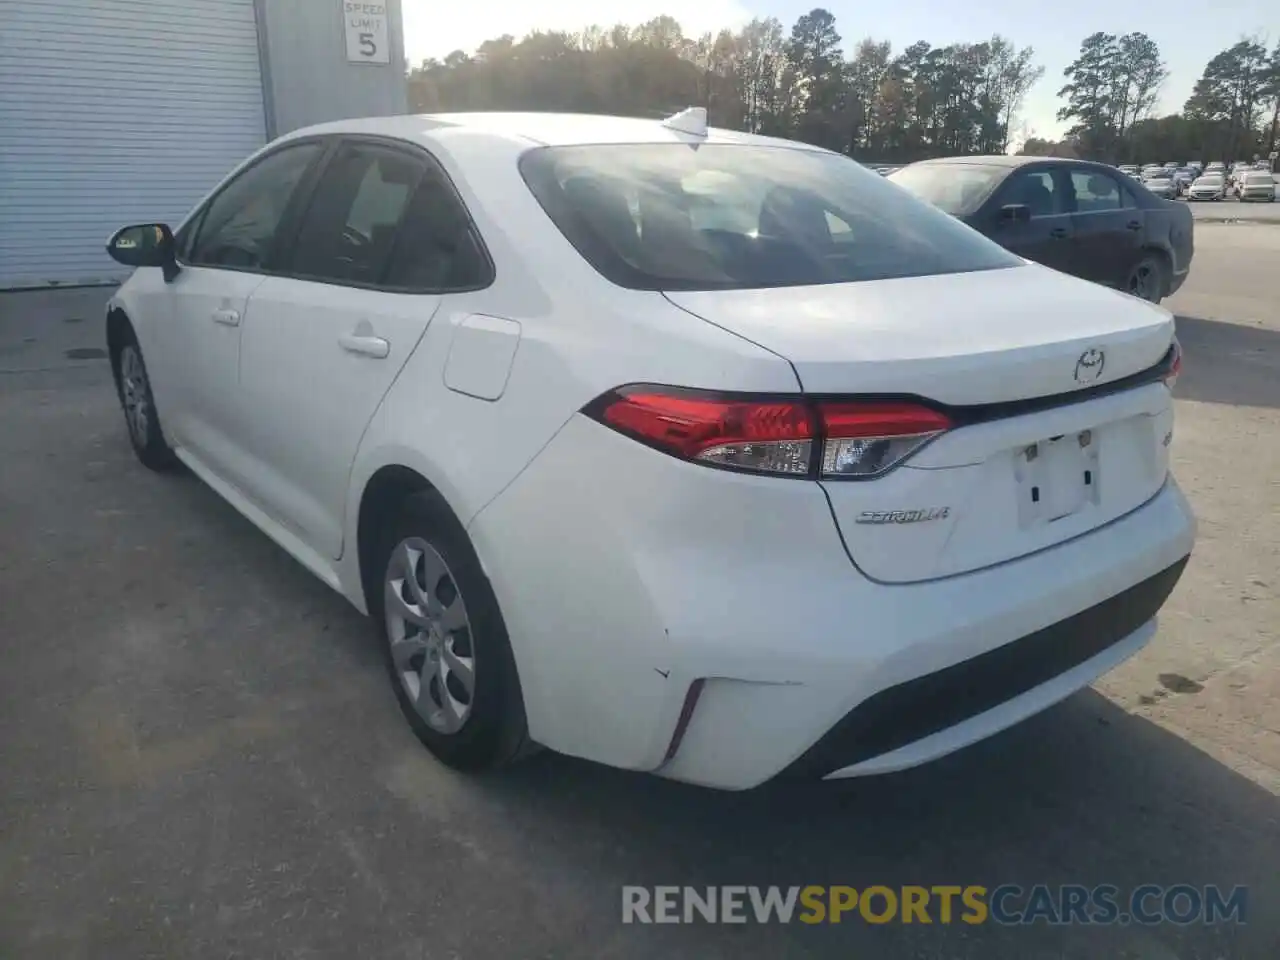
x=115 y=112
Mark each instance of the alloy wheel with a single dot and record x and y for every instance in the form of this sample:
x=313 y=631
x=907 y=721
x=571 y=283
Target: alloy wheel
x=430 y=635
x=135 y=394
x=1143 y=280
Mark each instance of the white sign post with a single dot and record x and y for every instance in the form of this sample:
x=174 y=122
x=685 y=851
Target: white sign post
x=366 y=29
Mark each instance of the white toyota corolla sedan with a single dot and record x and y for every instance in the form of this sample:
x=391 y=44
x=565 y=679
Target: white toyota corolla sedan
x=682 y=450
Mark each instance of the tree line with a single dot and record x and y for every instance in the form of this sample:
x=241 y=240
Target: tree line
x=873 y=103
x=1233 y=112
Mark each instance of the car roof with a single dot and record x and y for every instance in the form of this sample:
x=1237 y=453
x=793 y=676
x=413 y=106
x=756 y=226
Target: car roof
x=519 y=131
x=989 y=160
x=1013 y=162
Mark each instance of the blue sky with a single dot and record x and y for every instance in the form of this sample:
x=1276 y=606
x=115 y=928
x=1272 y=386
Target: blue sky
x=1188 y=33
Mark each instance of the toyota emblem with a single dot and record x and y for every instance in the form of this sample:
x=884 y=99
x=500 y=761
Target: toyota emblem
x=1089 y=366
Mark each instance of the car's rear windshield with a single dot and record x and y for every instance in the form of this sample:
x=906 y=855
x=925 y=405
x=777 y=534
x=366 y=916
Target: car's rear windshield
x=675 y=216
x=1258 y=178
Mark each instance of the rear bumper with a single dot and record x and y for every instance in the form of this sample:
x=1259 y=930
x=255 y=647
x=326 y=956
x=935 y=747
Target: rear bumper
x=623 y=590
x=961 y=660
x=910 y=722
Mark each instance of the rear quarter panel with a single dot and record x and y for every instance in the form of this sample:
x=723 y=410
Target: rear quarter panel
x=1169 y=228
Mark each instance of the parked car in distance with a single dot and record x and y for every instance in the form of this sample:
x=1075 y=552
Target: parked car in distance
x=1256 y=185
x=552 y=398
x=1233 y=175
x=1079 y=217
x=1162 y=184
x=1217 y=166
x=1128 y=169
x=1211 y=186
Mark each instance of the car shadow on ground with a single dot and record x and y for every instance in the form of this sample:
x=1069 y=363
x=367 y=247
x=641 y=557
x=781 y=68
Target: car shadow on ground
x=1232 y=363
x=1085 y=793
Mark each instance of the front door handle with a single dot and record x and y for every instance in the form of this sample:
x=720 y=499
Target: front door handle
x=1058 y=233
x=375 y=347
x=1133 y=225
x=227 y=317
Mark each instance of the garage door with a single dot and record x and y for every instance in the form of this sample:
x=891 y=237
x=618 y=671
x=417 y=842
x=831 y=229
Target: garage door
x=112 y=112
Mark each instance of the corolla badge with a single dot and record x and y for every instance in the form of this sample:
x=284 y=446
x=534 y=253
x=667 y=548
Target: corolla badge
x=1089 y=366
x=904 y=516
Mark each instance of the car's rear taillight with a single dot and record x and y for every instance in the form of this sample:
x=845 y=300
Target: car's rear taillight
x=783 y=436
x=870 y=438
x=761 y=435
x=1175 y=366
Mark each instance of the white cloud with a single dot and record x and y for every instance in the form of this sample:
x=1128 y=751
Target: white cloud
x=435 y=29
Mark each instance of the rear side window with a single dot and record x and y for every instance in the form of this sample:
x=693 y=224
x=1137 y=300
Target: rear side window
x=350 y=227
x=1096 y=192
x=735 y=216
x=437 y=247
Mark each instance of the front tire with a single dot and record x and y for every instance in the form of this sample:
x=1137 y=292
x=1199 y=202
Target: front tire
x=133 y=387
x=444 y=639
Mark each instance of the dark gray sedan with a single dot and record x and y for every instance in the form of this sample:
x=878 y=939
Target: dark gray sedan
x=1082 y=218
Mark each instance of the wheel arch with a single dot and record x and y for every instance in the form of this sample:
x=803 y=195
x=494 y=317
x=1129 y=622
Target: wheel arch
x=1165 y=256
x=382 y=494
x=119 y=331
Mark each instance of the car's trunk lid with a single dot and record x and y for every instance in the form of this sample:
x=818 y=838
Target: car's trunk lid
x=1012 y=477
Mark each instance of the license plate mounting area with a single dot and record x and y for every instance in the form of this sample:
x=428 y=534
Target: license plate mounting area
x=1057 y=477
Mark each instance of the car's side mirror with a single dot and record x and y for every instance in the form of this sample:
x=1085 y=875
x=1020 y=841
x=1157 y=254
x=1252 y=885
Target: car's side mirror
x=1015 y=213
x=145 y=245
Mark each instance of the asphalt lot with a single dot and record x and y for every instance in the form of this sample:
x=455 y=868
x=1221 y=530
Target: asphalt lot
x=1231 y=210
x=200 y=756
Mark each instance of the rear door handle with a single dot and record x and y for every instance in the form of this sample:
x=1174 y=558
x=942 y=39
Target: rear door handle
x=375 y=347
x=1133 y=225
x=1058 y=233
x=227 y=317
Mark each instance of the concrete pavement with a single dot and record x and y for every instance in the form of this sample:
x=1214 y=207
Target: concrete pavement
x=1229 y=211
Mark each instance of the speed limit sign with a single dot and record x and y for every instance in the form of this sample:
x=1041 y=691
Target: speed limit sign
x=366 y=30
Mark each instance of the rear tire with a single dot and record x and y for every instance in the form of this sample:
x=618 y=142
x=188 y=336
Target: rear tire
x=445 y=643
x=142 y=419
x=1147 y=279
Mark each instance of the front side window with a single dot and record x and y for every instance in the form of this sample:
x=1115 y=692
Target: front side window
x=736 y=216
x=239 y=225
x=1036 y=189
x=349 y=228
